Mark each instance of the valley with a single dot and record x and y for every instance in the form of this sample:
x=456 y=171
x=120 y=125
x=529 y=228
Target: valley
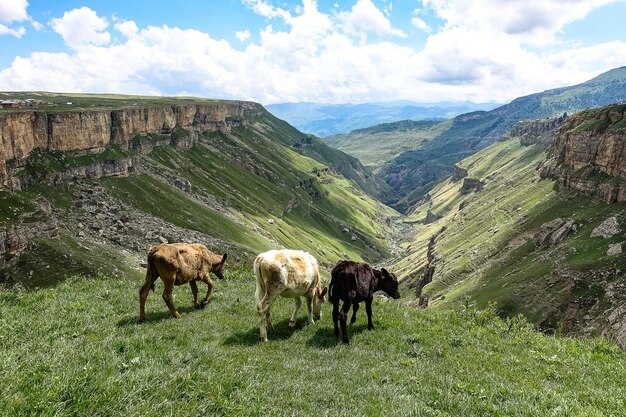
x=415 y=156
x=500 y=264
x=227 y=174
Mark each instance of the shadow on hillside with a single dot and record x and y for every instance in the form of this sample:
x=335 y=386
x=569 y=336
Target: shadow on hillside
x=153 y=317
x=251 y=337
x=324 y=337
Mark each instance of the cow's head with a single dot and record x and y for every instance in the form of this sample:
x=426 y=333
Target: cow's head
x=389 y=283
x=218 y=269
x=318 y=299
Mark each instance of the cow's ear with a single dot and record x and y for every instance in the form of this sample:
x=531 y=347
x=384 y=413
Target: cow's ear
x=323 y=293
x=385 y=272
x=224 y=258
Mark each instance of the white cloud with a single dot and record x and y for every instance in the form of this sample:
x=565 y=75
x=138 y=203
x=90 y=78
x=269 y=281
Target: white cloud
x=127 y=28
x=420 y=24
x=81 y=27
x=265 y=9
x=17 y=32
x=13 y=10
x=36 y=25
x=534 y=21
x=315 y=59
x=365 y=17
x=242 y=35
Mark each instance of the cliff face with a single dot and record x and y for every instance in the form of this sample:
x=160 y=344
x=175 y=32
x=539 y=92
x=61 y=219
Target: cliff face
x=21 y=133
x=588 y=153
x=530 y=132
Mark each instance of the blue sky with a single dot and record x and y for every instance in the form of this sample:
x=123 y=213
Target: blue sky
x=305 y=50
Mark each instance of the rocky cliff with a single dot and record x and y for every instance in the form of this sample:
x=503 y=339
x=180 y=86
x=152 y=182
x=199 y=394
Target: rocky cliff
x=588 y=153
x=530 y=132
x=79 y=132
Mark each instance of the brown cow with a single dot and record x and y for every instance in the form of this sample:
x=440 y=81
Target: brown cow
x=177 y=264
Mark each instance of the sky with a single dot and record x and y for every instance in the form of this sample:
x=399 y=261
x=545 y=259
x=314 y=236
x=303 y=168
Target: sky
x=327 y=51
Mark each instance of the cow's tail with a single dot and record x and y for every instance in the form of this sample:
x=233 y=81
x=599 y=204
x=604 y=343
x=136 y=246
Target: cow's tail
x=260 y=284
x=151 y=273
x=331 y=284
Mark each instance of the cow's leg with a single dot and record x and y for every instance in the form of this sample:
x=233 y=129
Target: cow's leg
x=336 y=316
x=167 y=296
x=355 y=308
x=143 y=295
x=296 y=305
x=309 y=308
x=343 y=318
x=209 y=294
x=194 y=291
x=263 y=308
x=268 y=321
x=368 y=310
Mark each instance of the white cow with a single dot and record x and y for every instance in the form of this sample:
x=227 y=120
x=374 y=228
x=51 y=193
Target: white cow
x=289 y=273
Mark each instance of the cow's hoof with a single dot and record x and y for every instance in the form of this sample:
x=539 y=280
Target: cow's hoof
x=263 y=339
x=292 y=324
x=198 y=306
x=142 y=320
x=370 y=328
x=337 y=334
x=176 y=315
x=203 y=304
x=346 y=342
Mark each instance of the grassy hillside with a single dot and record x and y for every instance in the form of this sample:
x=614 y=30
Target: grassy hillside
x=416 y=156
x=243 y=191
x=76 y=350
x=379 y=144
x=486 y=251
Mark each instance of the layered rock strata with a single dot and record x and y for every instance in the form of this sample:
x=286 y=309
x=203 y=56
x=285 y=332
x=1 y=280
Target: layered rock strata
x=588 y=154
x=84 y=132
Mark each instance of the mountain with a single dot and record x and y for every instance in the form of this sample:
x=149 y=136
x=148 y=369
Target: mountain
x=412 y=158
x=531 y=230
x=113 y=175
x=331 y=119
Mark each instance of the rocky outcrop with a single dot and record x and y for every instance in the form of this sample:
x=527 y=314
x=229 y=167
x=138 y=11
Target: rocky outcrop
x=471 y=184
x=15 y=238
x=607 y=229
x=459 y=173
x=554 y=232
x=429 y=271
x=614 y=249
x=430 y=217
x=588 y=154
x=531 y=132
x=22 y=133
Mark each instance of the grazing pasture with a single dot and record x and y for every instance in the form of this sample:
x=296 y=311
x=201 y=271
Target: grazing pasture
x=77 y=350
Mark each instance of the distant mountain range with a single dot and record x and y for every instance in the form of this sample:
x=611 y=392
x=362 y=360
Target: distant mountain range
x=413 y=157
x=331 y=119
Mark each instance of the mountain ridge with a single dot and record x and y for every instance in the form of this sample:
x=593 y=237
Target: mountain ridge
x=432 y=152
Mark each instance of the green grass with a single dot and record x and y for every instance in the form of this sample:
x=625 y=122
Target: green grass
x=76 y=350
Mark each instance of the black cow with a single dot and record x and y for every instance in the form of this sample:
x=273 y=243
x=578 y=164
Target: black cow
x=352 y=283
